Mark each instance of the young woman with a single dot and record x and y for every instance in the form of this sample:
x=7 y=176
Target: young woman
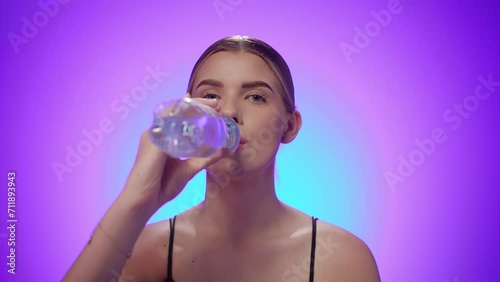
x=241 y=231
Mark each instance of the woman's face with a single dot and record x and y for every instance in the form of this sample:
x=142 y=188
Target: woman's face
x=246 y=89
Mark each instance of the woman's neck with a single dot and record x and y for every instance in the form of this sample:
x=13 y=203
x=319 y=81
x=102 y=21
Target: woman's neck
x=237 y=208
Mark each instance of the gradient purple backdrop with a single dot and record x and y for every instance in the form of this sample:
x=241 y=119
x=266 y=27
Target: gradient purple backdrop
x=362 y=111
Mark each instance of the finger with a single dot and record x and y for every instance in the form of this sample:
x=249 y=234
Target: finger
x=219 y=155
x=212 y=103
x=148 y=159
x=197 y=164
x=149 y=154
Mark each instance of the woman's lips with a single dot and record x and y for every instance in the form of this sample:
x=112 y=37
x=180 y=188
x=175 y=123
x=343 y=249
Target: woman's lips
x=242 y=142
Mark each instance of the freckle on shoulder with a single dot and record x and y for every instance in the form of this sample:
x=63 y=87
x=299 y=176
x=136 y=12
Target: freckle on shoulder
x=155 y=233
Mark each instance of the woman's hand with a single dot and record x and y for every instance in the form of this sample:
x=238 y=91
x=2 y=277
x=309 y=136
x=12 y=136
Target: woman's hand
x=157 y=178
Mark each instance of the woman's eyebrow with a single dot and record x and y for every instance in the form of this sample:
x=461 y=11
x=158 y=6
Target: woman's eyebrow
x=257 y=83
x=250 y=84
x=211 y=82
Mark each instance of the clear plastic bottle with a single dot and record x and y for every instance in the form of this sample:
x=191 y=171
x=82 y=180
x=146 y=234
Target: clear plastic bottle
x=183 y=128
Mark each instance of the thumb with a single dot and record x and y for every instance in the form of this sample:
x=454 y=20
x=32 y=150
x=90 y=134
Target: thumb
x=197 y=164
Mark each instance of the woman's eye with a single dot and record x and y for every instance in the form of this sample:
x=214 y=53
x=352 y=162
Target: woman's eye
x=209 y=96
x=257 y=98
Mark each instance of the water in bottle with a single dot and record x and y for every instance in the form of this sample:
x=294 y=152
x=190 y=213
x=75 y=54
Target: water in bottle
x=183 y=128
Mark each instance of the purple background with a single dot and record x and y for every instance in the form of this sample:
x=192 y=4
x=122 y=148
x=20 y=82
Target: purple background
x=361 y=113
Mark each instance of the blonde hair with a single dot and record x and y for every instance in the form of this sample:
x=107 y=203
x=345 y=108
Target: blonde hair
x=255 y=46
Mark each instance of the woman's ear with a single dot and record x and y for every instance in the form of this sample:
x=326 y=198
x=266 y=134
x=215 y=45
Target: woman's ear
x=294 y=124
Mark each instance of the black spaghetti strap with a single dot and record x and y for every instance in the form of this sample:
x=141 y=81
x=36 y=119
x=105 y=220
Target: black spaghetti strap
x=313 y=250
x=170 y=250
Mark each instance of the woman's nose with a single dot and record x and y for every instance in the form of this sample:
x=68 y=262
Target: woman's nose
x=230 y=109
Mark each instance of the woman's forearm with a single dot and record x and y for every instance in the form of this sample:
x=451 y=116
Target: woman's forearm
x=105 y=254
x=154 y=180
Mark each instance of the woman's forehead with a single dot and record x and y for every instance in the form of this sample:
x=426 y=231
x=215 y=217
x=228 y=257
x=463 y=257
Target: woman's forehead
x=228 y=65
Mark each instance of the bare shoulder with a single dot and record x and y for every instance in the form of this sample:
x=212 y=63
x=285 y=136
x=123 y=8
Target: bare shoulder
x=342 y=256
x=148 y=260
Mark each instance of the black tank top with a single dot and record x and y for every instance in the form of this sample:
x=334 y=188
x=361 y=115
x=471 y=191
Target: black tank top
x=171 y=247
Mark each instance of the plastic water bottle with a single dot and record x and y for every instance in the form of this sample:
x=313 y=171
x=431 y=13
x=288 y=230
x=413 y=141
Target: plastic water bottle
x=183 y=128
